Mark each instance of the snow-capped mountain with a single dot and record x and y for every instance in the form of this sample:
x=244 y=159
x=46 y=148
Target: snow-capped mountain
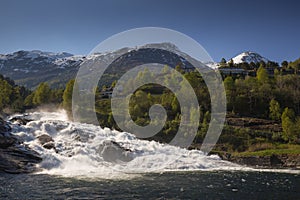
x=248 y=57
x=29 y=68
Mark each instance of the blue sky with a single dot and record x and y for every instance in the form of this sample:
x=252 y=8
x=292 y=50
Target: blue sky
x=224 y=28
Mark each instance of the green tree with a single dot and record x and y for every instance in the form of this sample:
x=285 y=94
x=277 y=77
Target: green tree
x=262 y=75
x=175 y=106
x=205 y=124
x=284 y=64
x=147 y=75
x=165 y=69
x=17 y=100
x=166 y=99
x=110 y=119
x=136 y=112
x=150 y=98
x=297 y=130
x=230 y=92
x=288 y=124
x=274 y=108
x=276 y=73
x=223 y=61
x=179 y=68
x=67 y=96
x=42 y=94
x=29 y=100
x=231 y=63
x=206 y=117
x=194 y=113
x=56 y=96
x=262 y=64
x=6 y=91
x=113 y=84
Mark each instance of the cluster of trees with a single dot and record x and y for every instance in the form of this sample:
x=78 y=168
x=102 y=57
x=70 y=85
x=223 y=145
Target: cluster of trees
x=151 y=94
x=14 y=98
x=11 y=96
x=276 y=98
x=43 y=94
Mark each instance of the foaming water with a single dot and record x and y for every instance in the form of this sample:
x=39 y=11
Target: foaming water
x=89 y=151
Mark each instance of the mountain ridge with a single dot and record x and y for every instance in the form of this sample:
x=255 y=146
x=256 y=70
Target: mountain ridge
x=29 y=68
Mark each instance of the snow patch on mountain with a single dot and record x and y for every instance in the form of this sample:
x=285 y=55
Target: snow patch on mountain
x=53 y=56
x=3 y=57
x=248 y=57
x=213 y=65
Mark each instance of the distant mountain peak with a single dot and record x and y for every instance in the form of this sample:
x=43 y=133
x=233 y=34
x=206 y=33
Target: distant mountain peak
x=248 y=57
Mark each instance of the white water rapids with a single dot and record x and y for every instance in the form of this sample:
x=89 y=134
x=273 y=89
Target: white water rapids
x=85 y=150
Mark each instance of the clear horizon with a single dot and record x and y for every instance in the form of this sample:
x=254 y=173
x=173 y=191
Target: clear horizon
x=224 y=29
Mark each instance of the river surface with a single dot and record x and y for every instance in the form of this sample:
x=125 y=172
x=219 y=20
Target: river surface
x=169 y=185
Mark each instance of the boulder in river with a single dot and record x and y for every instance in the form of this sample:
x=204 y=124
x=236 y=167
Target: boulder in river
x=44 y=138
x=46 y=141
x=15 y=157
x=21 y=120
x=49 y=145
x=112 y=151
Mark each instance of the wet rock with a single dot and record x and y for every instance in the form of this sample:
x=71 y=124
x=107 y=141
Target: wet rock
x=79 y=136
x=15 y=157
x=112 y=151
x=6 y=138
x=18 y=159
x=49 y=145
x=275 y=161
x=43 y=139
x=76 y=137
x=21 y=120
x=4 y=126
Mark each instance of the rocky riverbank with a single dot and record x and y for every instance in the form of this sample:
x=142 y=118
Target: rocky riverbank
x=286 y=161
x=15 y=157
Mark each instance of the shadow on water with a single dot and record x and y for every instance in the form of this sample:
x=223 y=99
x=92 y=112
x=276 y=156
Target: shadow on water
x=171 y=185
